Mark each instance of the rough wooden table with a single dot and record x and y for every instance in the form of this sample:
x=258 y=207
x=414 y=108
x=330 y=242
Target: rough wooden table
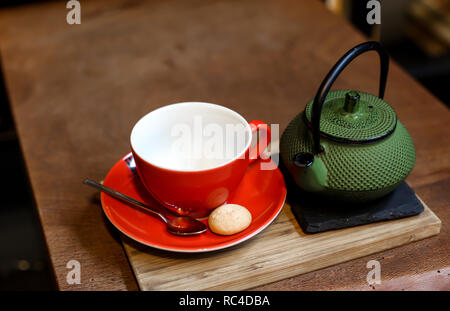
x=77 y=90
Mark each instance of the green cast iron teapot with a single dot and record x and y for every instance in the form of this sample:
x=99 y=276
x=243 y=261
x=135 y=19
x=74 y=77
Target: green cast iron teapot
x=348 y=145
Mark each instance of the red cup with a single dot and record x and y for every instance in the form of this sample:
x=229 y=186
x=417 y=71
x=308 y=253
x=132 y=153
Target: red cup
x=184 y=175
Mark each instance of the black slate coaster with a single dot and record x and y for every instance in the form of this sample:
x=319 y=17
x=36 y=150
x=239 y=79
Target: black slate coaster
x=315 y=214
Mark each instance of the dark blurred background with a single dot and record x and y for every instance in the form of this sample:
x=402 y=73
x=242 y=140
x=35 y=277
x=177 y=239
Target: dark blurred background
x=415 y=32
x=23 y=257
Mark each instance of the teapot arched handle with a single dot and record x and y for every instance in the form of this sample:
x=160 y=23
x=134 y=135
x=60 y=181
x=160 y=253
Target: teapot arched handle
x=324 y=88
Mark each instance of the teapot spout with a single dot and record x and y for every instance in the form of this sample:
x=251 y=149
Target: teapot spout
x=309 y=172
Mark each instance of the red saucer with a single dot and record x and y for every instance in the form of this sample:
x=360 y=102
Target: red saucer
x=262 y=192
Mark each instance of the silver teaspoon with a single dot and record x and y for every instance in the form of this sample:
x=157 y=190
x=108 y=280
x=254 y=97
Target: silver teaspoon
x=178 y=225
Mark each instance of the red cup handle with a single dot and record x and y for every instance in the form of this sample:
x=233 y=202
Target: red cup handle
x=263 y=139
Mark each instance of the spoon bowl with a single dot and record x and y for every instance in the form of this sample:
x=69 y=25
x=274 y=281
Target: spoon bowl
x=185 y=225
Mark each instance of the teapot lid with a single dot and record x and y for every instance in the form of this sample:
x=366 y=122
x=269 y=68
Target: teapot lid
x=354 y=117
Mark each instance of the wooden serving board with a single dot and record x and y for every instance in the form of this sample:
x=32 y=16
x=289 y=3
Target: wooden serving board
x=282 y=250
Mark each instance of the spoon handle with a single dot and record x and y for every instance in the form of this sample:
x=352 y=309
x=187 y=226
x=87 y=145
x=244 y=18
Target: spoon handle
x=122 y=196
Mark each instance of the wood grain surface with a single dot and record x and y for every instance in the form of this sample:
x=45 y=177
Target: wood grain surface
x=280 y=251
x=77 y=90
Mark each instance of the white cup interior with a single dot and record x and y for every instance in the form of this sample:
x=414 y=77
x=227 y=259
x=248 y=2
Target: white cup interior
x=191 y=136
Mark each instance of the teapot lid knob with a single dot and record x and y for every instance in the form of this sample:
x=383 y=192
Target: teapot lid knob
x=351 y=104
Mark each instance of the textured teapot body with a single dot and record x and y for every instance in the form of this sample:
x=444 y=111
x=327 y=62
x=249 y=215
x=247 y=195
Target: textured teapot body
x=345 y=171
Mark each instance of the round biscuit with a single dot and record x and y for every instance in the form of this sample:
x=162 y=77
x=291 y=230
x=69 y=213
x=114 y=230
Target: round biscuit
x=229 y=219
